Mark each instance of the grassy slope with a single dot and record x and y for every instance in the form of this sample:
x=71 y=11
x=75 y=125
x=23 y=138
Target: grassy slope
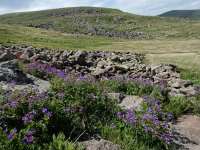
x=74 y=19
x=191 y=14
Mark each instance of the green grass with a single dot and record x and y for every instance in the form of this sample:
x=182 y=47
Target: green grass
x=43 y=38
x=190 y=75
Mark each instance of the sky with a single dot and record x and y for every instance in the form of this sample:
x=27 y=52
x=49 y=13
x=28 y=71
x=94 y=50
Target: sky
x=141 y=7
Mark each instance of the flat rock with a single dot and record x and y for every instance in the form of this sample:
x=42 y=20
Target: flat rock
x=131 y=101
x=187 y=132
x=42 y=85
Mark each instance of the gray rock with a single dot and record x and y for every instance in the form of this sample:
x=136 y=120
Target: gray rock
x=160 y=70
x=131 y=101
x=9 y=71
x=188 y=91
x=123 y=68
x=6 y=56
x=154 y=67
x=41 y=85
x=115 y=58
x=175 y=74
x=163 y=75
x=99 y=145
x=99 y=72
x=187 y=83
x=80 y=57
x=177 y=84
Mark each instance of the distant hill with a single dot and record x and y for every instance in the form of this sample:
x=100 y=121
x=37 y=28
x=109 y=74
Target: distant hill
x=102 y=22
x=191 y=14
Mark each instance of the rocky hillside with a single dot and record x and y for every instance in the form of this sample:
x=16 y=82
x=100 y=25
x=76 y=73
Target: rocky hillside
x=98 y=21
x=190 y=14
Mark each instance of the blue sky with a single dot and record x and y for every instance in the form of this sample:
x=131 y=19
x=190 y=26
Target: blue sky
x=142 y=7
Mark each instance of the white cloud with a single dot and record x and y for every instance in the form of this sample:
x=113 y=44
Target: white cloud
x=143 y=7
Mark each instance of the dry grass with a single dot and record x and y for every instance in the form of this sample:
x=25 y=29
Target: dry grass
x=189 y=61
x=154 y=46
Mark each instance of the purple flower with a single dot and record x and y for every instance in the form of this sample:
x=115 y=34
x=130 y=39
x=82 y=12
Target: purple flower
x=11 y=136
x=14 y=103
x=25 y=139
x=28 y=117
x=46 y=112
x=167 y=138
x=61 y=95
x=30 y=133
x=169 y=116
x=112 y=125
x=28 y=139
x=119 y=115
x=165 y=125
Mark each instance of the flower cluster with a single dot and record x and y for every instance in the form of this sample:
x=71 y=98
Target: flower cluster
x=152 y=120
x=11 y=136
x=29 y=116
x=46 y=112
x=40 y=96
x=44 y=71
x=28 y=139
